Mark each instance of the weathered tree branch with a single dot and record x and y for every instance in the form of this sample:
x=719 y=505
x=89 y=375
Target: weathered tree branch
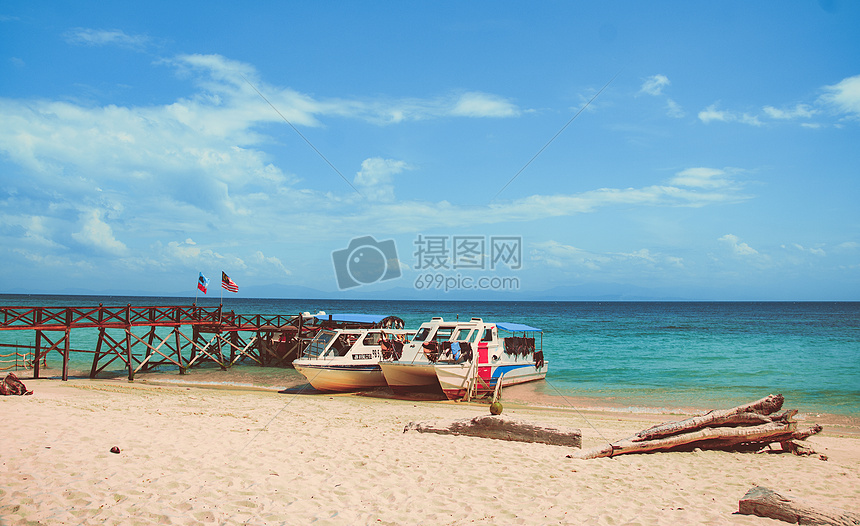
x=765 y=502
x=737 y=429
x=765 y=406
x=707 y=438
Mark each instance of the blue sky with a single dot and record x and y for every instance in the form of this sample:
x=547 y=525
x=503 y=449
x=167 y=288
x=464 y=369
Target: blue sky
x=713 y=154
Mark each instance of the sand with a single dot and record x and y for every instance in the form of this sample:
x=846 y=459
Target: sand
x=192 y=455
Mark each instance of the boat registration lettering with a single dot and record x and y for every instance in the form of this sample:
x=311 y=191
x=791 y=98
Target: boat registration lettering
x=362 y=356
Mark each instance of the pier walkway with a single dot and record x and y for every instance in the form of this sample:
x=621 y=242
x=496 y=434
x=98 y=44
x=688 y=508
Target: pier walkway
x=143 y=338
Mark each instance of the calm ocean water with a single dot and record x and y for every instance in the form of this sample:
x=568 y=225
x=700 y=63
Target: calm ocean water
x=627 y=354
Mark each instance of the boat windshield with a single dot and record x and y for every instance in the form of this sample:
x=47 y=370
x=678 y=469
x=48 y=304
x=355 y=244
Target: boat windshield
x=372 y=338
x=443 y=334
x=319 y=343
x=463 y=335
x=342 y=344
x=422 y=334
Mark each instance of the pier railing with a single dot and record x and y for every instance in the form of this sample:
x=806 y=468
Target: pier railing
x=179 y=335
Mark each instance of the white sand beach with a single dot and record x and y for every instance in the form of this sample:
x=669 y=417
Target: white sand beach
x=193 y=455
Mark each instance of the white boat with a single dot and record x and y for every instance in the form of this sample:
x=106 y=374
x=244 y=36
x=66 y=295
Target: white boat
x=339 y=359
x=412 y=369
x=466 y=358
x=514 y=357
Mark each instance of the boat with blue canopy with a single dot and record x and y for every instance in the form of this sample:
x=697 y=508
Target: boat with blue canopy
x=467 y=358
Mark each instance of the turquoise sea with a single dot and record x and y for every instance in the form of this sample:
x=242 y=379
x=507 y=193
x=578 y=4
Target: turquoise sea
x=629 y=355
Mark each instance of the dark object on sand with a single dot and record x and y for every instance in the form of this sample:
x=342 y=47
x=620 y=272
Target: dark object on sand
x=748 y=427
x=764 y=502
x=11 y=385
x=114 y=450
x=500 y=428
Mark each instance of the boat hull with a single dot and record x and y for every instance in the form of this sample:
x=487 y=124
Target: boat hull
x=341 y=377
x=404 y=377
x=453 y=378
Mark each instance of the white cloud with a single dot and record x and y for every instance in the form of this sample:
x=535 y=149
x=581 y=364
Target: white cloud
x=752 y=120
x=62 y=263
x=641 y=254
x=810 y=250
x=737 y=247
x=845 y=96
x=654 y=85
x=402 y=216
x=711 y=113
x=103 y=37
x=800 y=111
x=34 y=230
x=271 y=261
x=196 y=169
x=674 y=110
x=188 y=254
x=98 y=234
x=560 y=255
x=476 y=104
x=675 y=261
x=376 y=175
x=702 y=178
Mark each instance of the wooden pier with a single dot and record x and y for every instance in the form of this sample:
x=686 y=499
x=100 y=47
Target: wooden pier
x=181 y=336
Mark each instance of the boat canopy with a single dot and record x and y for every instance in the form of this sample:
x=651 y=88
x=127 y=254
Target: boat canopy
x=352 y=318
x=516 y=327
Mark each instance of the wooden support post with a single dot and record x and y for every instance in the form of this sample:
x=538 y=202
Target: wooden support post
x=179 y=350
x=195 y=335
x=259 y=345
x=177 y=318
x=128 y=342
x=97 y=355
x=234 y=340
x=67 y=335
x=37 y=348
x=151 y=339
x=218 y=339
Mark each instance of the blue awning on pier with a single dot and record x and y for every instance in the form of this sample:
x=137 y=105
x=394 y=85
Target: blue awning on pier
x=515 y=327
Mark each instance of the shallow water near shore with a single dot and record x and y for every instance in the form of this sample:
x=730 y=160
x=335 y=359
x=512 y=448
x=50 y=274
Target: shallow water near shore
x=632 y=356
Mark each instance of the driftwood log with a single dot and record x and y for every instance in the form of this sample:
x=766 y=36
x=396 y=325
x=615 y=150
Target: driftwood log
x=749 y=427
x=501 y=428
x=764 y=502
x=11 y=385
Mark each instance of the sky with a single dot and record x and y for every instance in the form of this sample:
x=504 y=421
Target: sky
x=691 y=150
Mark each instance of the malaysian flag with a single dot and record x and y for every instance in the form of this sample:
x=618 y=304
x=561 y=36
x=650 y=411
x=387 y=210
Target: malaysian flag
x=202 y=283
x=228 y=283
